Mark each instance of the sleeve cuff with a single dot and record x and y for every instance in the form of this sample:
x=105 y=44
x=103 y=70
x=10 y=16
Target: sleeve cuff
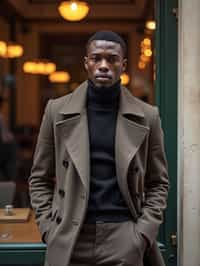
x=149 y=231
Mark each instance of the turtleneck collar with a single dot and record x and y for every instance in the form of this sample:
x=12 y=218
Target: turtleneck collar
x=107 y=97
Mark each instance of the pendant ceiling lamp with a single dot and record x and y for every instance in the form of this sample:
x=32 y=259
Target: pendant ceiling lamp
x=10 y=50
x=59 y=77
x=73 y=10
x=151 y=25
x=39 y=67
x=3 y=48
x=14 y=50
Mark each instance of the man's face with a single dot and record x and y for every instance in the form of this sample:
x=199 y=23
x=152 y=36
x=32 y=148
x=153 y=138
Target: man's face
x=104 y=62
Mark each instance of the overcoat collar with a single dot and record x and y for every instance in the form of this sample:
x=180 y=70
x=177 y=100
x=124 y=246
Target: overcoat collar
x=129 y=134
x=76 y=104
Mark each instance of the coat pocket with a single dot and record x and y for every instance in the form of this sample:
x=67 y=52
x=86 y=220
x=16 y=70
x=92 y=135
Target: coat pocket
x=138 y=203
x=139 y=241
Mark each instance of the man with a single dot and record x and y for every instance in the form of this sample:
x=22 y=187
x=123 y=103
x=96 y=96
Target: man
x=105 y=149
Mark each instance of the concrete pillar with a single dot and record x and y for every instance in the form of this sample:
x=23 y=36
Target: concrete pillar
x=189 y=134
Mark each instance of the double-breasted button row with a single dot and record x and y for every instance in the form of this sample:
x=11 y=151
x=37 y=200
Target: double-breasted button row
x=61 y=192
x=65 y=163
x=135 y=169
x=58 y=220
x=54 y=216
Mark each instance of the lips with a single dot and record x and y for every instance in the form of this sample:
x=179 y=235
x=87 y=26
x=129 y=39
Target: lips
x=103 y=77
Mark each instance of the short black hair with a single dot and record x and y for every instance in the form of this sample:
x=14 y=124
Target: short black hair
x=107 y=35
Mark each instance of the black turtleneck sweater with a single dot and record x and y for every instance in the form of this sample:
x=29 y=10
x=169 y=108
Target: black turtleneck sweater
x=105 y=201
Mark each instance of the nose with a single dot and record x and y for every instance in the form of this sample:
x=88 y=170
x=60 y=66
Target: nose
x=103 y=66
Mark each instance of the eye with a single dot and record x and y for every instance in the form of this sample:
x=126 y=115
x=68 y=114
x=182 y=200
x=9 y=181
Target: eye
x=112 y=59
x=95 y=58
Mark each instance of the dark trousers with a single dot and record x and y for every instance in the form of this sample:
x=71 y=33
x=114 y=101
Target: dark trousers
x=109 y=244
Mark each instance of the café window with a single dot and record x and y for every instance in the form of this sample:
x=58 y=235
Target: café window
x=47 y=40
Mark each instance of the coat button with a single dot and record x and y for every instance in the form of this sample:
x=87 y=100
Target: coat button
x=54 y=216
x=61 y=192
x=136 y=169
x=65 y=163
x=58 y=220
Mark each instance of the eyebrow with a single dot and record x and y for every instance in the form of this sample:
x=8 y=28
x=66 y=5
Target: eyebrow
x=110 y=54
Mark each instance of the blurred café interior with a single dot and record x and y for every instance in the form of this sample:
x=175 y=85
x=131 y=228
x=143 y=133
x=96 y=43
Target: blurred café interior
x=42 y=46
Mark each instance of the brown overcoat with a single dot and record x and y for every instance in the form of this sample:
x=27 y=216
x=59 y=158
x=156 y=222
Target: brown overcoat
x=60 y=176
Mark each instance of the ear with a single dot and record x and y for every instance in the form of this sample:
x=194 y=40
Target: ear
x=124 y=64
x=86 y=62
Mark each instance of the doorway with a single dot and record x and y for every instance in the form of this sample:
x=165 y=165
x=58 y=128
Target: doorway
x=166 y=99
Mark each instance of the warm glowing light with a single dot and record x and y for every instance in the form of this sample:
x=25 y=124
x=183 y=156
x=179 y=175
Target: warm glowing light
x=29 y=67
x=3 y=48
x=151 y=25
x=74 y=6
x=49 y=68
x=39 y=67
x=148 y=52
x=14 y=50
x=141 y=65
x=124 y=79
x=144 y=58
x=73 y=10
x=59 y=77
x=10 y=50
x=147 y=41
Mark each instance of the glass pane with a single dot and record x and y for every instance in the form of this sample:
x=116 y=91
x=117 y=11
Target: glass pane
x=46 y=37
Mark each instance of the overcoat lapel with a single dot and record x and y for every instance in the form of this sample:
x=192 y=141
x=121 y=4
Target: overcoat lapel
x=74 y=129
x=129 y=137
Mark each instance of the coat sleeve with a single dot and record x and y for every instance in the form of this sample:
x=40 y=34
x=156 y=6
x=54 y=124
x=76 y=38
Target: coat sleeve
x=41 y=180
x=156 y=183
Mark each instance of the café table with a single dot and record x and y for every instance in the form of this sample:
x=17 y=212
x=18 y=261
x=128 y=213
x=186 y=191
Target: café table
x=20 y=243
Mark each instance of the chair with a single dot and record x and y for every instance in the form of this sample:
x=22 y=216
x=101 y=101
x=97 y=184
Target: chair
x=7 y=193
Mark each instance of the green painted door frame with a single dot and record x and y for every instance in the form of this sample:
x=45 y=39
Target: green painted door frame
x=166 y=99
